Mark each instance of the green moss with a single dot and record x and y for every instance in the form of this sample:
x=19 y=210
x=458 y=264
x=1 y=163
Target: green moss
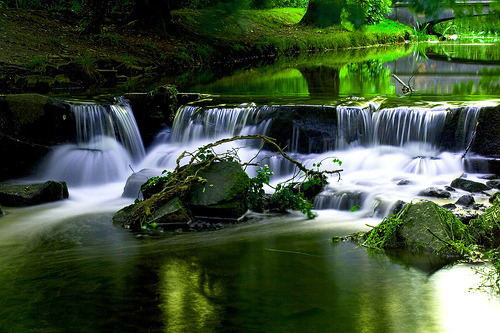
x=422 y=227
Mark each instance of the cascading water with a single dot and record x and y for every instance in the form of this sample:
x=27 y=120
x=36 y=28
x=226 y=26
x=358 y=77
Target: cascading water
x=107 y=143
x=388 y=155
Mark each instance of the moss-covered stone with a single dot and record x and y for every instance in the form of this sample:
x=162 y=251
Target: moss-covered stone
x=469 y=185
x=422 y=228
x=224 y=192
x=171 y=215
x=32 y=194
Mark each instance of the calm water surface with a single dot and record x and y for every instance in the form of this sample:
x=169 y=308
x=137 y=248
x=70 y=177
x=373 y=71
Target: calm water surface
x=63 y=270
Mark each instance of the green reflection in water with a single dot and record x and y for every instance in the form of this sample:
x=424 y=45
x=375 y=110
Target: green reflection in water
x=368 y=78
x=190 y=297
x=471 y=52
x=310 y=75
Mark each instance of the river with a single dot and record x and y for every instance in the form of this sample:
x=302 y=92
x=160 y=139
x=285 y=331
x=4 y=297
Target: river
x=65 y=267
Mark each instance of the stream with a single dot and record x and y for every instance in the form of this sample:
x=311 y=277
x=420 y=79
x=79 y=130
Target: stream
x=65 y=267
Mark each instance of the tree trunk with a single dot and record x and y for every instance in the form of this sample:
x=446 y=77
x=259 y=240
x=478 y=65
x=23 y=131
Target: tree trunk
x=323 y=13
x=157 y=14
x=97 y=10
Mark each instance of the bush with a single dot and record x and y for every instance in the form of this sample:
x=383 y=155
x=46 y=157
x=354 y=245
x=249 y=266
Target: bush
x=361 y=12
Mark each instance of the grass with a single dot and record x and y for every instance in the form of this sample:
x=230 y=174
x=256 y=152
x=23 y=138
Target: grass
x=278 y=31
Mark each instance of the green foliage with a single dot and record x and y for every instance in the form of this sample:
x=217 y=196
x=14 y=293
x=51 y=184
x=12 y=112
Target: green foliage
x=479 y=29
x=37 y=64
x=112 y=38
x=128 y=59
x=288 y=195
x=256 y=190
x=285 y=198
x=357 y=13
x=152 y=182
x=87 y=61
x=381 y=236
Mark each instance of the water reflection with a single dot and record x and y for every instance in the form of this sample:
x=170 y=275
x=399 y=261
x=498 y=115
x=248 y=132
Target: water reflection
x=456 y=70
x=277 y=274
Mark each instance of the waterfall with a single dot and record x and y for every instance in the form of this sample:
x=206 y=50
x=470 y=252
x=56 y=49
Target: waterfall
x=195 y=123
x=107 y=142
x=354 y=127
x=399 y=126
x=113 y=121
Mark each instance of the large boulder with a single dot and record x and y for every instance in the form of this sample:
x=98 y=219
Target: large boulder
x=29 y=125
x=221 y=196
x=224 y=193
x=32 y=194
x=421 y=228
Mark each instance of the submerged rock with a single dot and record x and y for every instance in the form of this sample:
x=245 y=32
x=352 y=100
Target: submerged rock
x=32 y=194
x=435 y=192
x=469 y=185
x=495 y=183
x=465 y=200
x=172 y=215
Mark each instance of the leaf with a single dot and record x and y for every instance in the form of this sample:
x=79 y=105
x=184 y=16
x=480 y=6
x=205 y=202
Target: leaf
x=354 y=208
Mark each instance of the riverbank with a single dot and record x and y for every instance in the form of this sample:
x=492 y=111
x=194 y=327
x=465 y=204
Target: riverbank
x=45 y=51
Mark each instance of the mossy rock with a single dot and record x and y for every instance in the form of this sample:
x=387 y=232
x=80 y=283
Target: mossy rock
x=421 y=228
x=223 y=194
x=469 y=185
x=173 y=214
x=32 y=194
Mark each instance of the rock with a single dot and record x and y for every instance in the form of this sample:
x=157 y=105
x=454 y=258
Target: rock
x=221 y=197
x=435 y=193
x=29 y=125
x=172 y=215
x=422 y=228
x=493 y=183
x=449 y=206
x=19 y=157
x=79 y=72
x=34 y=83
x=398 y=206
x=154 y=110
x=465 y=216
x=132 y=188
x=224 y=193
x=487 y=139
x=465 y=200
x=121 y=216
x=305 y=128
x=32 y=194
x=1 y=211
x=494 y=197
x=469 y=185
x=404 y=182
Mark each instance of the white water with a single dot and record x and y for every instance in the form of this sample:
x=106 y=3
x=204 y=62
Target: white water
x=380 y=150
